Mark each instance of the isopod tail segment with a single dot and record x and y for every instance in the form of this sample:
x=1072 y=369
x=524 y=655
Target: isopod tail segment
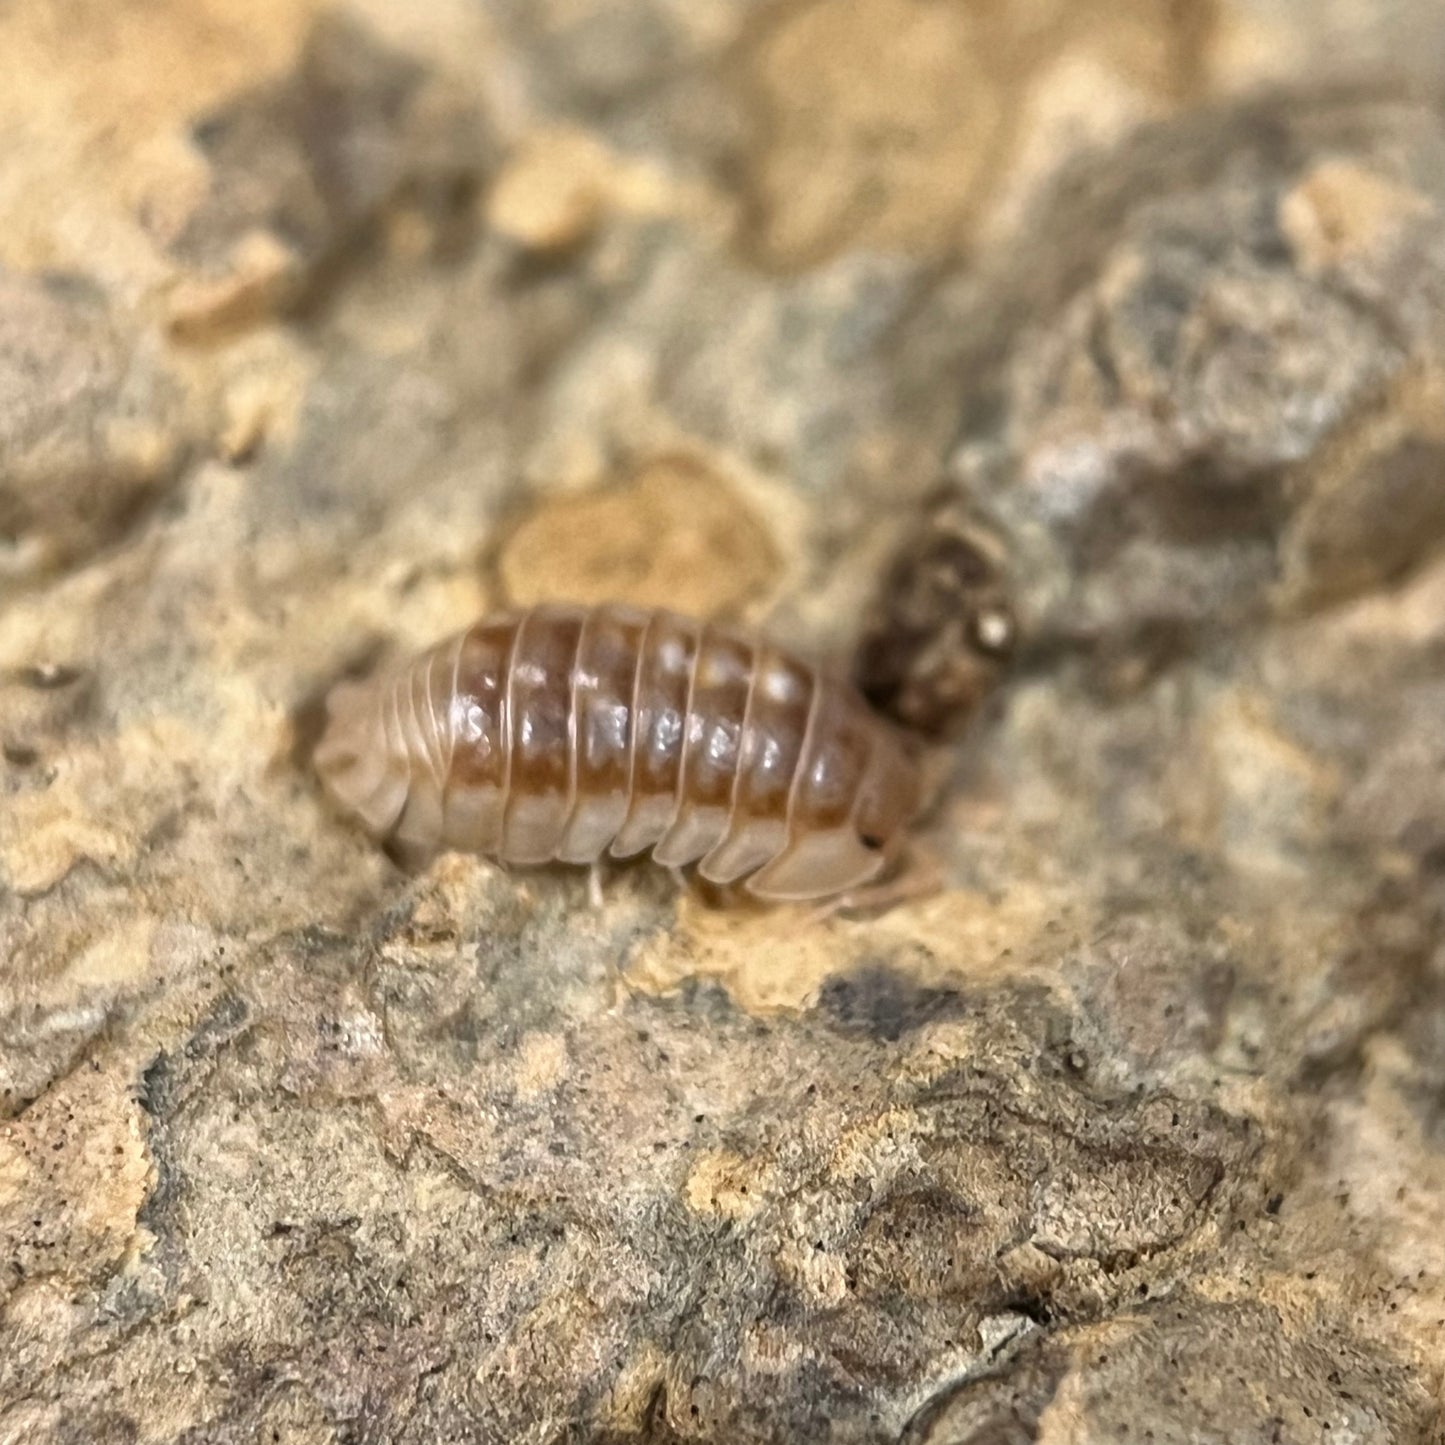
x=565 y=733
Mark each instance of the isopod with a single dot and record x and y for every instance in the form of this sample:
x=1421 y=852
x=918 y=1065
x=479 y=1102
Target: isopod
x=563 y=733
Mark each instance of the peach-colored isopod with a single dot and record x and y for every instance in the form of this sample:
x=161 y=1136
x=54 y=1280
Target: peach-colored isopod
x=563 y=733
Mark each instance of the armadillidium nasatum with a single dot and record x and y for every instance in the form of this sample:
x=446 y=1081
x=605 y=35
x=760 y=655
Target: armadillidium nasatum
x=566 y=733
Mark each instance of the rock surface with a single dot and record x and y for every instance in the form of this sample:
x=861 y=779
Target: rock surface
x=324 y=329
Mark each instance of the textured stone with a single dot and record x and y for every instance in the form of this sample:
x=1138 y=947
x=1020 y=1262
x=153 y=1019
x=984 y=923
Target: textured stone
x=300 y=171
x=1222 y=400
x=320 y=334
x=94 y=424
x=675 y=535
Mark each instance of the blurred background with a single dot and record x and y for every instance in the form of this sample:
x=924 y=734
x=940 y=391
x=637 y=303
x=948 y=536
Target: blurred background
x=326 y=327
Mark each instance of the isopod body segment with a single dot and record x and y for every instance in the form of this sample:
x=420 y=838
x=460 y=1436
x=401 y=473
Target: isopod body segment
x=566 y=733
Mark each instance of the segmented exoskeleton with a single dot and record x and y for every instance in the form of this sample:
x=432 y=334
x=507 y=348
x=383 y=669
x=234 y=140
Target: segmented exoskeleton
x=567 y=732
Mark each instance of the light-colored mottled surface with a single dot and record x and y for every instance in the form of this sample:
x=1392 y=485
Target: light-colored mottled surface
x=322 y=330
